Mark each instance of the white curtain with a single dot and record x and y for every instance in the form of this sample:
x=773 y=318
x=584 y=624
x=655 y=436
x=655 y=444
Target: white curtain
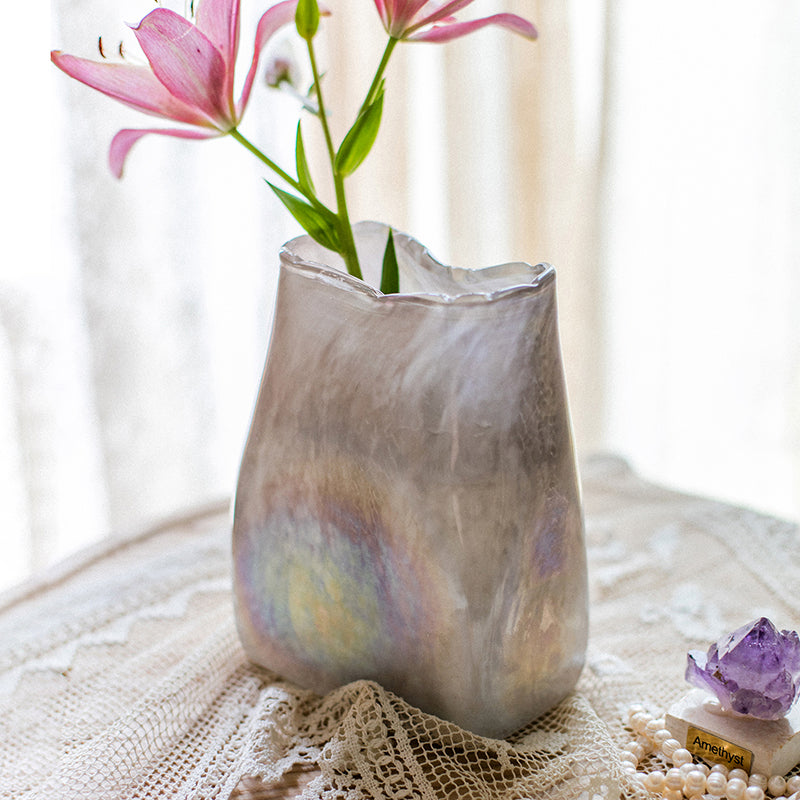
x=131 y=343
x=700 y=247
x=649 y=150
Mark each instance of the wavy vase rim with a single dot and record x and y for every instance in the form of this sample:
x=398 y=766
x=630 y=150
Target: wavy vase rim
x=540 y=275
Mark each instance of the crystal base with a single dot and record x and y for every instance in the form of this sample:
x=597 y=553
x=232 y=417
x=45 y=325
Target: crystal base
x=769 y=747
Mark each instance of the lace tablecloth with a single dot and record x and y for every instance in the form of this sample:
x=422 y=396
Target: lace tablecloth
x=121 y=675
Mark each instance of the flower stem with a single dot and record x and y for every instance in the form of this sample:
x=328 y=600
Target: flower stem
x=376 y=81
x=346 y=239
x=266 y=159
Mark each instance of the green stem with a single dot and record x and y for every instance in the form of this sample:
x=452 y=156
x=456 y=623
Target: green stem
x=376 y=81
x=346 y=239
x=267 y=160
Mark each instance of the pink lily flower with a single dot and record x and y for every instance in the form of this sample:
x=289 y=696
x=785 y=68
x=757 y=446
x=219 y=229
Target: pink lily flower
x=432 y=21
x=190 y=77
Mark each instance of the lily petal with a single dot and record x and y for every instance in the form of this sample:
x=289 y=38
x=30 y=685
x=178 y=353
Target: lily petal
x=188 y=65
x=442 y=12
x=218 y=20
x=134 y=85
x=445 y=33
x=398 y=15
x=381 y=6
x=270 y=23
x=125 y=139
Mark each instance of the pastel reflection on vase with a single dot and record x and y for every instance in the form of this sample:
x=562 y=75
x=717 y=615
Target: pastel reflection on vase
x=333 y=586
x=408 y=507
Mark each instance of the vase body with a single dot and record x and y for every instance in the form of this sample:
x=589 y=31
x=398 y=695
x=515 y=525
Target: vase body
x=408 y=507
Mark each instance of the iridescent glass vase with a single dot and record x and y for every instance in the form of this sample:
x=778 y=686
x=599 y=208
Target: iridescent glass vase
x=408 y=507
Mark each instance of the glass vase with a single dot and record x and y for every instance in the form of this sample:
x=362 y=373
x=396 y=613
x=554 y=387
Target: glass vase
x=408 y=507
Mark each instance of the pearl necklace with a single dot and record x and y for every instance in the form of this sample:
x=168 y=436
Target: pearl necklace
x=689 y=780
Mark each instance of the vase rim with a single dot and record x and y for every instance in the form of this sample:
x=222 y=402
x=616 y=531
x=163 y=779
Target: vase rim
x=533 y=278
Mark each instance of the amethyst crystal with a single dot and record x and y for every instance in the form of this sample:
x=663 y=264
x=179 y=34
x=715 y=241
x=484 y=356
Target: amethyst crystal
x=754 y=671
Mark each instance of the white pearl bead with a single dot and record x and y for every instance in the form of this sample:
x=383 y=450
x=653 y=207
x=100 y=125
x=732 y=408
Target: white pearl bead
x=669 y=747
x=695 y=782
x=753 y=793
x=721 y=768
x=681 y=756
x=735 y=789
x=793 y=784
x=703 y=768
x=661 y=736
x=687 y=768
x=716 y=784
x=673 y=794
x=635 y=749
x=636 y=708
x=740 y=774
x=639 y=721
x=757 y=779
x=655 y=781
x=654 y=725
x=673 y=779
x=776 y=785
x=629 y=757
x=795 y=796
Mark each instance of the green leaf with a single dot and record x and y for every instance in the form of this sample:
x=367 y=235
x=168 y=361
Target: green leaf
x=360 y=138
x=303 y=172
x=306 y=18
x=390 y=277
x=318 y=223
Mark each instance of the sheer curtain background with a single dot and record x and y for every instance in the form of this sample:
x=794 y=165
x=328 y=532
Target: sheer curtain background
x=649 y=150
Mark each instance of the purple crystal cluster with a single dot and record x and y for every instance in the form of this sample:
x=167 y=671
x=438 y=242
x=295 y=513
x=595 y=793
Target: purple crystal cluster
x=754 y=671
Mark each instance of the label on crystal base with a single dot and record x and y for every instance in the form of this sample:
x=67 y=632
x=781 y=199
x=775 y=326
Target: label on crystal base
x=772 y=747
x=712 y=748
